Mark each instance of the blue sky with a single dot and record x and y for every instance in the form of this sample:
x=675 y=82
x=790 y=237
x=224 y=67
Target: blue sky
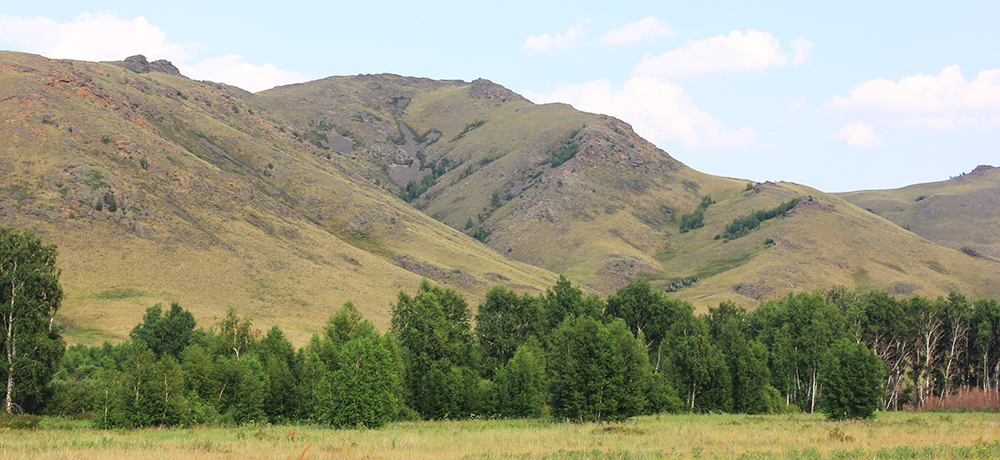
x=838 y=96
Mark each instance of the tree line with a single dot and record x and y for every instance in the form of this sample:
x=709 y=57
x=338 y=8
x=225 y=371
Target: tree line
x=561 y=353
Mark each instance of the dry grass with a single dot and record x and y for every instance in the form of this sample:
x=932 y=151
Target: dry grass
x=966 y=399
x=892 y=435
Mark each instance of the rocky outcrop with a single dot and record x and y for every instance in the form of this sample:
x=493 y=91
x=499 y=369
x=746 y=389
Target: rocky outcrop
x=139 y=64
x=485 y=89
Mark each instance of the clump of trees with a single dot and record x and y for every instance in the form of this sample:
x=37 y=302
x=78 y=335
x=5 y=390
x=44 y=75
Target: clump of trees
x=697 y=218
x=562 y=354
x=742 y=226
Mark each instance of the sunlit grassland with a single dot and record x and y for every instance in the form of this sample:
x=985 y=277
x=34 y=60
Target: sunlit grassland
x=891 y=435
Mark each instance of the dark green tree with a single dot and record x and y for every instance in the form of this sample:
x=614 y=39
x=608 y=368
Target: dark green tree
x=564 y=299
x=504 y=321
x=852 y=381
x=648 y=313
x=30 y=295
x=746 y=359
x=364 y=390
x=520 y=385
x=277 y=356
x=435 y=339
x=699 y=368
x=597 y=372
x=165 y=334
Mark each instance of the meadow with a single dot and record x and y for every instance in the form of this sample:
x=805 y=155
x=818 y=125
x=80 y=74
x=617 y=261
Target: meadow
x=890 y=435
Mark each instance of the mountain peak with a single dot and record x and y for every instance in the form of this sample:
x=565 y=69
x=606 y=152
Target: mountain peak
x=139 y=64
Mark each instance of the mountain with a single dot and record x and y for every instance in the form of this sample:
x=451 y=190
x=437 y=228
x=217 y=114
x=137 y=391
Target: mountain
x=583 y=195
x=157 y=188
x=288 y=202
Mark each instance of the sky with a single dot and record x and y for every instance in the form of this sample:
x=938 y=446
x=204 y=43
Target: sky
x=839 y=96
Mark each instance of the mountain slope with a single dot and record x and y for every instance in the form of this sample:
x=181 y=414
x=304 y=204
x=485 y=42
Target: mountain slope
x=963 y=212
x=158 y=188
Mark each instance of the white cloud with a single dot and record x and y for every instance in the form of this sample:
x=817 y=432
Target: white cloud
x=100 y=37
x=231 y=69
x=753 y=50
x=548 y=44
x=858 y=135
x=636 y=32
x=945 y=102
x=657 y=109
x=105 y=37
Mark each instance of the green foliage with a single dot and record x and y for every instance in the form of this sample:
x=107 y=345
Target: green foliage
x=742 y=226
x=597 y=372
x=109 y=202
x=648 y=313
x=19 y=421
x=468 y=128
x=564 y=300
x=363 y=389
x=437 y=169
x=95 y=179
x=699 y=367
x=661 y=396
x=482 y=234
x=520 y=385
x=852 y=381
x=692 y=221
x=435 y=336
x=165 y=334
x=504 y=321
x=565 y=152
x=236 y=335
x=677 y=283
x=798 y=330
x=30 y=295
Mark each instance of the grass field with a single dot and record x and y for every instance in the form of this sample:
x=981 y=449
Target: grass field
x=891 y=435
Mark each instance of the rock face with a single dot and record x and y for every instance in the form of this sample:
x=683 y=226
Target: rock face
x=139 y=64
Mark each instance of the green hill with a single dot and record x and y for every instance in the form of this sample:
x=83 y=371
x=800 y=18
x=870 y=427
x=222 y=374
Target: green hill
x=960 y=213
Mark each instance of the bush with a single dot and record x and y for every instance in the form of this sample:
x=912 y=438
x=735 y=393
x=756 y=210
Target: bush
x=851 y=377
x=19 y=421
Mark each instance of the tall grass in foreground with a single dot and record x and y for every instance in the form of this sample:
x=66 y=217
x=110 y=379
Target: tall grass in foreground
x=891 y=435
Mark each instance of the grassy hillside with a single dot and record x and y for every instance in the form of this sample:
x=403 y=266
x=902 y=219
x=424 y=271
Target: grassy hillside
x=581 y=194
x=963 y=212
x=158 y=188
x=824 y=241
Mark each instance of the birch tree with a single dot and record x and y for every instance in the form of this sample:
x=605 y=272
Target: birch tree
x=29 y=296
